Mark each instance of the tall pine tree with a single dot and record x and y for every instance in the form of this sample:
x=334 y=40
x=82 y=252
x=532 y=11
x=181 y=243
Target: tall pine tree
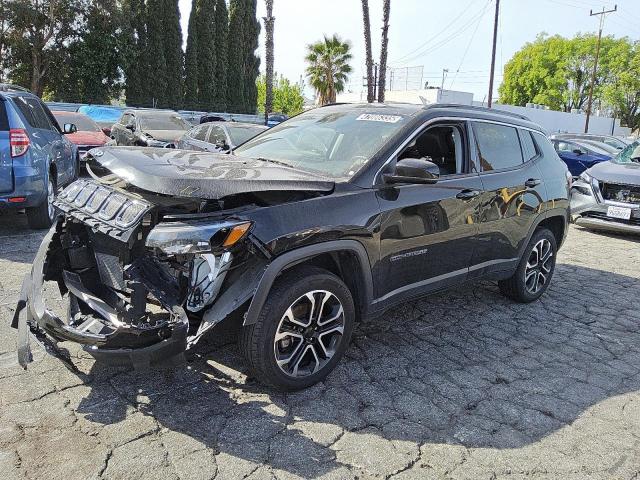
x=252 y=61
x=236 y=57
x=221 y=27
x=172 y=44
x=206 y=54
x=155 y=79
x=135 y=64
x=191 y=61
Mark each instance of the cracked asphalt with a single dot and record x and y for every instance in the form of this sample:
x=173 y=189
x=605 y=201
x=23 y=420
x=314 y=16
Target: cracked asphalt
x=463 y=384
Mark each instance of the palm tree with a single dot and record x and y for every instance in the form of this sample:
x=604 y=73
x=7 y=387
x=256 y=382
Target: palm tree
x=268 y=22
x=386 y=10
x=328 y=67
x=367 y=47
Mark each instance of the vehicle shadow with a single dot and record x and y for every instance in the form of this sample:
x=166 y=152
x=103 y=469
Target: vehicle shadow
x=632 y=237
x=19 y=242
x=465 y=367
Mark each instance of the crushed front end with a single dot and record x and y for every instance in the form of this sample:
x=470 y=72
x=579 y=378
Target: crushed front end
x=139 y=273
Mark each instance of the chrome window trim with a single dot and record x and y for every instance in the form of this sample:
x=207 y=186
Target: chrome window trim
x=431 y=121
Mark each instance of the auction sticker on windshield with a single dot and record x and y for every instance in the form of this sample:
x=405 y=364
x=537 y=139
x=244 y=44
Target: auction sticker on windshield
x=619 y=212
x=375 y=117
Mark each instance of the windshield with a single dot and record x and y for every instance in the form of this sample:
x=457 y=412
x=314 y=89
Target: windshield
x=333 y=141
x=242 y=134
x=593 y=148
x=600 y=147
x=82 y=122
x=631 y=154
x=164 y=122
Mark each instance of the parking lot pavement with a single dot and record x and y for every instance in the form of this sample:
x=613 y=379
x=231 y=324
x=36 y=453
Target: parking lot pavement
x=463 y=384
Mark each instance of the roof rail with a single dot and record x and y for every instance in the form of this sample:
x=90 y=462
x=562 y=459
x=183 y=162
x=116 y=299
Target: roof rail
x=6 y=87
x=480 y=109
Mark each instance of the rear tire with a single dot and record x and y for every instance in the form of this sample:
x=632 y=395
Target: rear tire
x=291 y=355
x=535 y=270
x=42 y=216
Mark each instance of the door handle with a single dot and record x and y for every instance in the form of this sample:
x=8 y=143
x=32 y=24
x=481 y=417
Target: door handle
x=532 y=182
x=467 y=194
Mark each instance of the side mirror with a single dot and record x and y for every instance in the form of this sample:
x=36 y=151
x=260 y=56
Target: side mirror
x=577 y=151
x=106 y=131
x=131 y=127
x=413 y=170
x=68 y=128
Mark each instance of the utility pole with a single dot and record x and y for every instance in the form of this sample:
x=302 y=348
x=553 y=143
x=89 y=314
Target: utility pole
x=268 y=23
x=493 y=52
x=595 y=63
x=444 y=75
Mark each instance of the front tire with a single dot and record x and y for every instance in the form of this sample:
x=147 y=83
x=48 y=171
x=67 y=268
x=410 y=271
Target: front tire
x=303 y=330
x=42 y=216
x=535 y=270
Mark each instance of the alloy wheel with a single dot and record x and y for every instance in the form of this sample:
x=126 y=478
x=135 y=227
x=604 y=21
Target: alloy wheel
x=539 y=265
x=51 y=195
x=309 y=333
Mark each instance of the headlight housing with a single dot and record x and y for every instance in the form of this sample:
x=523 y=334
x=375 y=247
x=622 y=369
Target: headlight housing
x=196 y=237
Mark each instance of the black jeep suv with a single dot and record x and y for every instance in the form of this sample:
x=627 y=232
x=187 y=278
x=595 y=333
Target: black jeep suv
x=328 y=218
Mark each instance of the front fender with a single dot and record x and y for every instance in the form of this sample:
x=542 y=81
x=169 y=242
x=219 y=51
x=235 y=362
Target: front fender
x=298 y=255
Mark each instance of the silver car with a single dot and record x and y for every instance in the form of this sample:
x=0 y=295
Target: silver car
x=607 y=195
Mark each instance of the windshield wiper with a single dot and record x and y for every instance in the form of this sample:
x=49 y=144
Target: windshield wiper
x=277 y=162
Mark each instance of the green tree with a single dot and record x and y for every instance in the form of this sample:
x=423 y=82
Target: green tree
x=206 y=54
x=221 y=28
x=367 y=48
x=235 y=57
x=91 y=72
x=156 y=79
x=328 y=67
x=622 y=93
x=40 y=31
x=287 y=97
x=135 y=62
x=252 y=61
x=556 y=71
x=172 y=45
x=191 y=61
x=243 y=64
x=382 y=80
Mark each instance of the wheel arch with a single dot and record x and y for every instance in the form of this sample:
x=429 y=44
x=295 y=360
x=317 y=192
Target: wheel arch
x=557 y=221
x=347 y=259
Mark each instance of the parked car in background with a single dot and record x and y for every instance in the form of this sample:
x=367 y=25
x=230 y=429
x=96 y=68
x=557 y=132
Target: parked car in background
x=35 y=156
x=219 y=136
x=149 y=128
x=276 y=118
x=607 y=195
x=579 y=155
x=329 y=218
x=88 y=135
x=610 y=150
x=105 y=116
x=613 y=141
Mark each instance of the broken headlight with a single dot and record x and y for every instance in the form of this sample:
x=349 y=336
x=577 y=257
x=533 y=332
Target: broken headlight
x=196 y=237
x=199 y=240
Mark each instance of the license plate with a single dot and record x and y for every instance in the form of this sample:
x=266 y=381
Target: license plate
x=619 y=212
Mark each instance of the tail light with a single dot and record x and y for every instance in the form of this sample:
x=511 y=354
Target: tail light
x=19 y=141
x=569 y=179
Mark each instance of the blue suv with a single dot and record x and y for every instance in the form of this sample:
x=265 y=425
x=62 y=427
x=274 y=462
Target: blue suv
x=35 y=157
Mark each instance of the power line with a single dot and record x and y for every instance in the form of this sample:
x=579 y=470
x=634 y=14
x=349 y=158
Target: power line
x=429 y=40
x=464 y=55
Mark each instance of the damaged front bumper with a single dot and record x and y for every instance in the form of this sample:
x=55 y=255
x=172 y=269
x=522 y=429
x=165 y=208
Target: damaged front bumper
x=92 y=322
x=590 y=209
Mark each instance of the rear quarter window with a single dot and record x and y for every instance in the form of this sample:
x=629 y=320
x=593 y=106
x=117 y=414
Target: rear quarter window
x=4 y=121
x=33 y=113
x=545 y=147
x=498 y=146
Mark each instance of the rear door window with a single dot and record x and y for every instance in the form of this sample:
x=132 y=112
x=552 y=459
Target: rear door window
x=4 y=121
x=200 y=133
x=498 y=146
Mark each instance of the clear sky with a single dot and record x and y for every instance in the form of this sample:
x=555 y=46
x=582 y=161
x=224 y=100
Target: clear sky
x=453 y=34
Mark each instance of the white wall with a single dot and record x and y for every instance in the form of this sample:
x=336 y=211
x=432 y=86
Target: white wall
x=555 y=122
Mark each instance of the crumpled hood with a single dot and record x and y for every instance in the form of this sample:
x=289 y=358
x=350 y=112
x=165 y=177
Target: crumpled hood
x=205 y=175
x=611 y=172
x=169 y=136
